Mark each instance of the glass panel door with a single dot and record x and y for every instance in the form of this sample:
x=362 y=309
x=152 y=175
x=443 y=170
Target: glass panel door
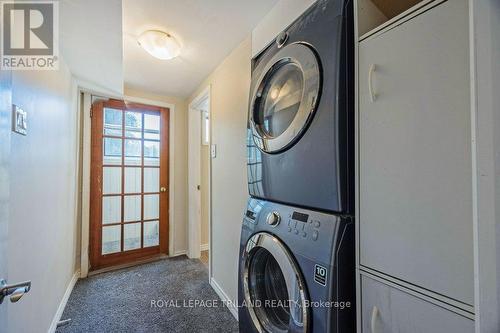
x=129 y=177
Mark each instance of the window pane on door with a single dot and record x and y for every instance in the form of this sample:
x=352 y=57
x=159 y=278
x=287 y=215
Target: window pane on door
x=151 y=233
x=111 y=209
x=113 y=122
x=111 y=239
x=152 y=126
x=133 y=124
x=132 y=206
x=112 y=180
x=152 y=153
x=133 y=180
x=131 y=236
x=133 y=152
x=151 y=180
x=151 y=206
x=112 y=152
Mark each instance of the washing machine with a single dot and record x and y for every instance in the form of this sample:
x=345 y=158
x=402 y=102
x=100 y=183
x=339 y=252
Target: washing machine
x=296 y=270
x=301 y=112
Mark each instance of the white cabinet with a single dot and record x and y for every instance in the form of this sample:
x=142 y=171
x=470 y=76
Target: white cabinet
x=415 y=169
x=386 y=309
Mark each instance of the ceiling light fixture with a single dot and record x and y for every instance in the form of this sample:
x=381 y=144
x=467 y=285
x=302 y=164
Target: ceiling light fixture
x=159 y=44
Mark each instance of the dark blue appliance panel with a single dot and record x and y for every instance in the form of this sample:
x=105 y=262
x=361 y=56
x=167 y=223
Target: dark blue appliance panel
x=322 y=245
x=317 y=169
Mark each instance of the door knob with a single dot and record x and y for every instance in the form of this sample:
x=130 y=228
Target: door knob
x=163 y=189
x=15 y=291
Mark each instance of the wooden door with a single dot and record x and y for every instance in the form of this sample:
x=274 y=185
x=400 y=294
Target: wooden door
x=129 y=183
x=415 y=153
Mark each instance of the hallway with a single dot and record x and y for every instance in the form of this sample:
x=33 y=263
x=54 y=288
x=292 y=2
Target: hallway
x=152 y=297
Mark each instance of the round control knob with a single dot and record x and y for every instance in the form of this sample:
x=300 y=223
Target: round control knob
x=273 y=219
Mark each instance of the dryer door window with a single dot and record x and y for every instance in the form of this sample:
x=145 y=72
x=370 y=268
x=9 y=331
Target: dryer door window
x=285 y=97
x=280 y=100
x=274 y=289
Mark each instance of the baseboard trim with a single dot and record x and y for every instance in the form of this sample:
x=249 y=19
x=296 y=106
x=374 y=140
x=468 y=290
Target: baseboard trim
x=223 y=296
x=204 y=247
x=179 y=253
x=64 y=301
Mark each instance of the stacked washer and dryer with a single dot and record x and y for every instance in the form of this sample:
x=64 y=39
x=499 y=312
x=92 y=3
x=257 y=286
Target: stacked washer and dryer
x=296 y=270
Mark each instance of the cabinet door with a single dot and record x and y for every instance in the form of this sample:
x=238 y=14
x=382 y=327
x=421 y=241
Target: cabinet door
x=415 y=152
x=389 y=310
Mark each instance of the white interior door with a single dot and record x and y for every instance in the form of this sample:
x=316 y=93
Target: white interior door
x=194 y=179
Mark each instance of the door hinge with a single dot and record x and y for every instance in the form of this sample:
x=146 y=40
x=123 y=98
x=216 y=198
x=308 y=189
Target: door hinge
x=91 y=111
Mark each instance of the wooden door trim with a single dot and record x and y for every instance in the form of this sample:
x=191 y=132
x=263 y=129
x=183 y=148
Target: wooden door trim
x=98 y=261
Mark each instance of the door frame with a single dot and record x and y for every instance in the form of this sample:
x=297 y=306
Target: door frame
x=194 y=170
x=85 y=94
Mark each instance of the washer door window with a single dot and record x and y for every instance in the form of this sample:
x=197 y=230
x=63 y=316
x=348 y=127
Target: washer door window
x=274 y=288
x=285 y=97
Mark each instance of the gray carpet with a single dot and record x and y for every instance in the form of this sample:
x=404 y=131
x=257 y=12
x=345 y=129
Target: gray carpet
x=120 y=301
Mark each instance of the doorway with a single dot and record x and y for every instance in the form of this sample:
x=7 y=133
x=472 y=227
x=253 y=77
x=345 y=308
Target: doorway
x=129 y=200
x=199 y=158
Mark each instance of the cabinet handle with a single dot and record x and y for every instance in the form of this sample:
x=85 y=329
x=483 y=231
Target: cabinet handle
x=374 y=319
x=373 y=96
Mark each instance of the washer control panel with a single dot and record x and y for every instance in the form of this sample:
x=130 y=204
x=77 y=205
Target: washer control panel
x=308 y=233
x=303 y=225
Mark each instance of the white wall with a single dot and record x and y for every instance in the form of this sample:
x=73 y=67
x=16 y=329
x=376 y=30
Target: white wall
x=42 y=230
x=5 y=130
x=278 y=18
x=178 y=226
x=230 y=84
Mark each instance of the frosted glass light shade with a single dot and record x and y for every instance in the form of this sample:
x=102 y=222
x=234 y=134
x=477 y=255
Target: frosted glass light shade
x=159 y=44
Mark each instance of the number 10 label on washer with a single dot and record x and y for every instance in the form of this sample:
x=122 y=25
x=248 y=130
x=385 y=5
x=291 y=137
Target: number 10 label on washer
x=320 y=274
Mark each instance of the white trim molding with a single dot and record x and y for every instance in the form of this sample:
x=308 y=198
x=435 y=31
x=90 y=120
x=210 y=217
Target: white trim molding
x=194 y=177
x=204 y=247
x=231 y=304
x=64 y=301
x=484 y=68
x=179 y=253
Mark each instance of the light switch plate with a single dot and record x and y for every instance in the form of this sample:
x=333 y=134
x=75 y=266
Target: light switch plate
x=213 y=151
x=19 y=120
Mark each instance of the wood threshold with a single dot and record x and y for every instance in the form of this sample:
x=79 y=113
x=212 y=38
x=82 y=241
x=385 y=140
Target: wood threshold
x=129 y=264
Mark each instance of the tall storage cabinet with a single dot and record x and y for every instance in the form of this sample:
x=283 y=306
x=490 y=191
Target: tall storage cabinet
x=415 y=171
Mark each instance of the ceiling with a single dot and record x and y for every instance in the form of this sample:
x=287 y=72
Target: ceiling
x=208 y=30
x=91 y=42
